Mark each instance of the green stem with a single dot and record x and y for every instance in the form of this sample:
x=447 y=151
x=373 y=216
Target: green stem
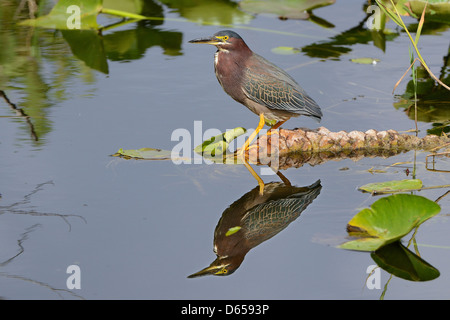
x=417 y=50
x=128 y=14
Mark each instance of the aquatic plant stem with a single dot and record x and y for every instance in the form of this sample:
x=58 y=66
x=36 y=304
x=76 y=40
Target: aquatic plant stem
x=129 y=15
x=415 y=44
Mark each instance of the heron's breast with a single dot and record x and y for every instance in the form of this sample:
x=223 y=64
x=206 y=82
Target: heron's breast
x=229 y=73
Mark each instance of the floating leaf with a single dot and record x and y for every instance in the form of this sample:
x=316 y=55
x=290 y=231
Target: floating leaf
x=392 y=186
x=290 y=9
x=435 y=10
x=402 y=263
x=65 y=13
x=390 y=12
x=388 y=220
x=218 y=145
x=82 y=14
x=230 y=135
x=144 y=154
x=286 y=50
x=365 y=60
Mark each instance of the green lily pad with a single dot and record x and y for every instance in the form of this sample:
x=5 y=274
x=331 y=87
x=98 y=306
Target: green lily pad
x=392 y=186
x=209 y=148
x=437 y=10
x=64 y=13
x=385 y=5
x=365 y=60
x=218 y=145
x=401 y=262
x=144 y=154
x=286 y=50
x=388 y=220
x=82 y=14
x=289 y=9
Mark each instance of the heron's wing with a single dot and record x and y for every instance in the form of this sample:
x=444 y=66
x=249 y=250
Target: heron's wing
x=270 y=86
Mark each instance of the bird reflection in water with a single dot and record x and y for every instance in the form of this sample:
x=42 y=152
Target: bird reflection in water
x=253 y=219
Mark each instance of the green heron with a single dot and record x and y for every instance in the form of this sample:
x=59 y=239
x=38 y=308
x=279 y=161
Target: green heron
x=253 y=219
x=258 y=84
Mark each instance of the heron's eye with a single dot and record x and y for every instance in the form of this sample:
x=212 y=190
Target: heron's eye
x=225 y=38
x=222 y=271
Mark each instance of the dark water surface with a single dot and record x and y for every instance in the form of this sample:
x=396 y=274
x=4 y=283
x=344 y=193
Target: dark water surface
x=137 y=229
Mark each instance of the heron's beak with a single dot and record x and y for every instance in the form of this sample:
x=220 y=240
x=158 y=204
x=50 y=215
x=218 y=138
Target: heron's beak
x=211 y=40
x=211 y=270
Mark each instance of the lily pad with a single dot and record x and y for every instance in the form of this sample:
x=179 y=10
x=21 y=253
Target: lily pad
x=144 y=154
x=82 y=14
x=365 y=60
x=286 y=50
x=65 y=13
x=289 y=9
x=392 y=186
x=388 y=220
x=218 y=145
x=401 y=262
x=437 y=10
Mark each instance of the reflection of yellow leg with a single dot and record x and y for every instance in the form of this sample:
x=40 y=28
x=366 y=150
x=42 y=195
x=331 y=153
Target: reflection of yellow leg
x=253 y=135
x=255 y=175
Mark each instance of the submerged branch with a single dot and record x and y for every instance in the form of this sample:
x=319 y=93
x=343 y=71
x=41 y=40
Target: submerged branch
x=20 y=113
x=296 y=147
x=283 y=149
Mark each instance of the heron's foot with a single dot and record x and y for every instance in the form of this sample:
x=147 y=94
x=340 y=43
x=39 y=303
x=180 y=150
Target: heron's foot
x=272 y=131
x=241 y=153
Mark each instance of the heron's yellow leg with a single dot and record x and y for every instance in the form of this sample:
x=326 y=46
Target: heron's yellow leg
x=275 y=126
x=278 y=124
x=245 y=148
x=253 y=135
